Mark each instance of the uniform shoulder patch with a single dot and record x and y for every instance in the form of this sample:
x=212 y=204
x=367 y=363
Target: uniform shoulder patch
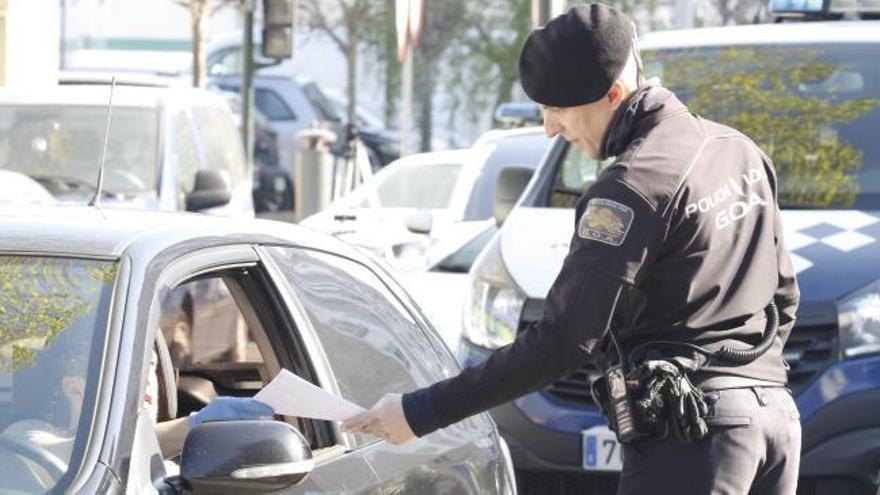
x=605 y=221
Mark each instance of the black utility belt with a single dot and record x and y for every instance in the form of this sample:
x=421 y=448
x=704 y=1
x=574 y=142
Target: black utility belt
x=655 y=398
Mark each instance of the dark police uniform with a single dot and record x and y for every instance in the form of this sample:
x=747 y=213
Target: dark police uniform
x=678 y=240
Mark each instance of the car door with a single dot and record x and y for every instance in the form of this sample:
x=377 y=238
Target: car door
x=229 y=331
x=375 y=343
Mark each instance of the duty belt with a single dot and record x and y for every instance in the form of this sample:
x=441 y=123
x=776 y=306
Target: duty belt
x=656 y=398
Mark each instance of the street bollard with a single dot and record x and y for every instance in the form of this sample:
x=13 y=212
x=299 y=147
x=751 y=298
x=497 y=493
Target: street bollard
x=313 y=172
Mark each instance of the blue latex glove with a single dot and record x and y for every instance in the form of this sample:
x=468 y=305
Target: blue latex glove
x=229 y=409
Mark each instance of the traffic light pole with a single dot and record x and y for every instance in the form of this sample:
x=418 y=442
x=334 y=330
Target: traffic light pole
x=247 y=82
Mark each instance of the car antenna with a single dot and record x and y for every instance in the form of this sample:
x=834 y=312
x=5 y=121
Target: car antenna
x=96 y=199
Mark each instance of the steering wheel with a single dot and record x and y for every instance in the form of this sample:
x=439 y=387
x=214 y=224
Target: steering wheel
x=42 y=456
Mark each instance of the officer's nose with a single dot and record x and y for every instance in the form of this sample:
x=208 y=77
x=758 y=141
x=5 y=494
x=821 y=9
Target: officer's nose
x=551 y=126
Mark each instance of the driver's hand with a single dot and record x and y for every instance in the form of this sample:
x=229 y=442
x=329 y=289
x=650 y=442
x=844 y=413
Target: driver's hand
x=230 y=409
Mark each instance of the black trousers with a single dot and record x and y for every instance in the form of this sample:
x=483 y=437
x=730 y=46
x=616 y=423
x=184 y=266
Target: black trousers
x=753 y=447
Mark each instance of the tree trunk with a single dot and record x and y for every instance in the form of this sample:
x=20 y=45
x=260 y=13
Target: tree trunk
x=351 y=89
x=199 y=17
x=426 y=103
x=392 y=69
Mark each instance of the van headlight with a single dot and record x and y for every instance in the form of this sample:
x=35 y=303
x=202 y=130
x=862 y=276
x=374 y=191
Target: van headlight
x=859 y=320
x=495 y=303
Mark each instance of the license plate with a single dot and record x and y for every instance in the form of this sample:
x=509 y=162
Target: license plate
x=601 y=451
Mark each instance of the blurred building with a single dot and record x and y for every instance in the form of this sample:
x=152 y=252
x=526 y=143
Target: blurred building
x=29 y=40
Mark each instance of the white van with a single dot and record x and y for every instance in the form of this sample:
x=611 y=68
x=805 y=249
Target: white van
x=170 y=147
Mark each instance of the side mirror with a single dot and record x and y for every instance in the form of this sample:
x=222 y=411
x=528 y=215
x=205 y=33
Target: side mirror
x=420 y=222
x=211 y=189
x=511 y=183
x=241 y=457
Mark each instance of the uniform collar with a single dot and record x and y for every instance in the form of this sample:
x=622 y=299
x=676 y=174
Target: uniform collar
x=643 y=110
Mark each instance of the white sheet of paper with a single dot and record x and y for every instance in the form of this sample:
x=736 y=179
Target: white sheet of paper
x=290 y=395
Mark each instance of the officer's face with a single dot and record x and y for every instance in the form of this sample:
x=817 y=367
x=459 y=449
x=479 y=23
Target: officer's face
x=584 y=125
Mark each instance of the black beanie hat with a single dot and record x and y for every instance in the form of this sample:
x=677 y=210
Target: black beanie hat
x=577 y=56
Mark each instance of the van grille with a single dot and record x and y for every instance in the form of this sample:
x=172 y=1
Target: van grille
x=808 y=351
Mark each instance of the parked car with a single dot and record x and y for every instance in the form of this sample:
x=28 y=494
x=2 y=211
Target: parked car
x=809 y=95
x=294 y=103
x=169 y=148
x=427 y=204
x=90 y=296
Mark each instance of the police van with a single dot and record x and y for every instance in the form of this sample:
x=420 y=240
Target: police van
x=809 y=94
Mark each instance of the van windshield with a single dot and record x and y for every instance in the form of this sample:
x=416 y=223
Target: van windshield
x=814 y=109
x=60 y=147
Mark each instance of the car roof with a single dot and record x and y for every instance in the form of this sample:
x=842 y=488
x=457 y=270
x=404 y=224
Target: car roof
x=765 y=34
x=99 y=94
x=493 y=135
x=432 y=157
x=83 y=231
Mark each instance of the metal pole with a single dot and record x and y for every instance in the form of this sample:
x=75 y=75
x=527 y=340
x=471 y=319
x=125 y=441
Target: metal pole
x=406 y=111
x=247 y=82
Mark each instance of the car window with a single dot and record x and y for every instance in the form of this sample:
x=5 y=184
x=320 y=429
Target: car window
x=369 y=337
x=573 y=177
x=221 y=143
x=223 y=341
x=53 y=318
x=60 y=146
x=814 y=109
x=523 y=150
x=225 y=62
x=428 y=185
x=272 y=105
x=206 y=331
x=184 y=149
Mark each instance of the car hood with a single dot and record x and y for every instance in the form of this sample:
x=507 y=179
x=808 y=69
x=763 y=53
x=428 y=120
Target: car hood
x=383 y=232
x=834 y=252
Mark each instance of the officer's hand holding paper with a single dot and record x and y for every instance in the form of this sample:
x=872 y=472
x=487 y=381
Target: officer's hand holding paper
x=290 y=395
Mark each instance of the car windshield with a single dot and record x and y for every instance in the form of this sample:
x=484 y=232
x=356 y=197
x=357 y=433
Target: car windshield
x=814 y=109
x=53 y=316
x=426 y=185
x=60 y=147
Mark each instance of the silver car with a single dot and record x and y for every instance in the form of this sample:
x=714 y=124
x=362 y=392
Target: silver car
x=101 y=344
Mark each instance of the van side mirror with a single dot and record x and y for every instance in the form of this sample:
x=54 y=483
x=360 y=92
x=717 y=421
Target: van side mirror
x=211 y=189
x=242 y=457
x=511 y=183
x=420 y=222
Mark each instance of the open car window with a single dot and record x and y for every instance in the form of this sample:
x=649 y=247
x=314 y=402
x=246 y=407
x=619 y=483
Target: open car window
x=226 y=338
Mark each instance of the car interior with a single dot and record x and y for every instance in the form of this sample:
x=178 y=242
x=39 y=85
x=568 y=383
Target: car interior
x=215 y=342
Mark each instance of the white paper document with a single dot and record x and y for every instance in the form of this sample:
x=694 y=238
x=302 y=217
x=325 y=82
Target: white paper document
x=290 y=395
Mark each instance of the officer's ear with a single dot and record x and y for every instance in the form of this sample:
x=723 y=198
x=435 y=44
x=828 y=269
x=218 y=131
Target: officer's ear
x=616 y=94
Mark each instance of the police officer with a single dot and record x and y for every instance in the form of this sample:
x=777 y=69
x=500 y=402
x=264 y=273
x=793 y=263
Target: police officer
x=677 y=253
